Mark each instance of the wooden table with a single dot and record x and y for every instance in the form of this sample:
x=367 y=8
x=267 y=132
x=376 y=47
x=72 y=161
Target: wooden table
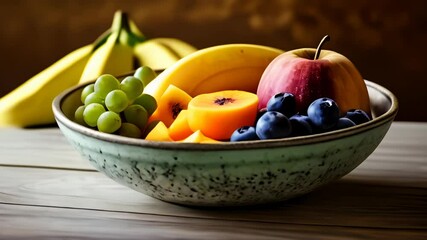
x=47 y=191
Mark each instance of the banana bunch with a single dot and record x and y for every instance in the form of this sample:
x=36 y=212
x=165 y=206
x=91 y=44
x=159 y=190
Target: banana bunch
x=120 y=50
x=170 y=50
x=217 y=68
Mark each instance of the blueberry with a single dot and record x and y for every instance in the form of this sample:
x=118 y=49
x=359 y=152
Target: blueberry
x=301 y=125
x=259 y=114
x=358 y=116
x=245 y=133
x=284 y=103
x=344 y=123
x=273 y=125
x=323 y=113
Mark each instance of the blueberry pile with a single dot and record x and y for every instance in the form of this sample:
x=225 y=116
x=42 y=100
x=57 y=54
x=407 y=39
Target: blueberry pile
x=280 y=119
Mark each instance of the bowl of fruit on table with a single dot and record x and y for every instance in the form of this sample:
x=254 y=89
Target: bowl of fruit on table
x=229 y=125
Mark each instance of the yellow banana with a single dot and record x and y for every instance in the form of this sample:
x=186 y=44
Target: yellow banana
x=223 y=67
x=160 y=53
x=112 y=52
x=31 y=103
x=181 y=48
x=135 y=30
x=112 y=58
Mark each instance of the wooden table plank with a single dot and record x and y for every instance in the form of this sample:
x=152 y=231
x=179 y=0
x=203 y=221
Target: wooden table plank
x=342 y=203
x=39 y=147
x=58 y=223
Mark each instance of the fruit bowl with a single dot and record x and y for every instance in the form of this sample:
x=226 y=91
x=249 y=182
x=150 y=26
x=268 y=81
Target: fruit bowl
x=228 y=174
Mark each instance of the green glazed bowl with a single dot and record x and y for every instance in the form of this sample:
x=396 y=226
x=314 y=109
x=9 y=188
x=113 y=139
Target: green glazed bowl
x=228 y=174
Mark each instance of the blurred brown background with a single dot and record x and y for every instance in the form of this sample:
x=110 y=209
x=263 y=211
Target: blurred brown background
x=384 y=39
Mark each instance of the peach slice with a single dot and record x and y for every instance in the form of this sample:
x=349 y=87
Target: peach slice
x=199 y=137
x=179 y=128
x=218 y=114
x=149 y=127
x=170 y=105
x=159 y=133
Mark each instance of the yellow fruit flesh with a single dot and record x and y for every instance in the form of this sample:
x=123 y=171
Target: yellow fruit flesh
x=179 y=129
x=159 y=133
x=199 y=137
x=170 y=104
x=218 y=114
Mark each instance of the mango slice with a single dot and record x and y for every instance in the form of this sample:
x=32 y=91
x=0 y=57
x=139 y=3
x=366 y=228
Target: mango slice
x=218 y=114
x=159 y=133
x=170 y=105
x=199 y=137
x=179 y=129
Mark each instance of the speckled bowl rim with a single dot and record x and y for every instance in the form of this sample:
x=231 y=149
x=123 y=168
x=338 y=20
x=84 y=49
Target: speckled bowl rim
x=273 y=143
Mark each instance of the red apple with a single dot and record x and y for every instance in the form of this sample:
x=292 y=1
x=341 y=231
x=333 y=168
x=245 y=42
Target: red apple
x=311 y=73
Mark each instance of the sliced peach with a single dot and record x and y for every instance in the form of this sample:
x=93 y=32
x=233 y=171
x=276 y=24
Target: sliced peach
x=199 y=137
x=218 y=114
x=149 y=127
x=170 y=105
x=159 y=133
x=179 y=128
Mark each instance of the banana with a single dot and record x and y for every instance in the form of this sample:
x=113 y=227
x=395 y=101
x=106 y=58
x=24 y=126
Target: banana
x=31 y=103
x=115 y=56
x=181 y=48
x=160 y=53
x=112 y=58
x=113 y=53
x=223 y=67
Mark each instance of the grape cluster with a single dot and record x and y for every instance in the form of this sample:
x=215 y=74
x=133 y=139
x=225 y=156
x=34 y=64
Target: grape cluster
x=119 y=107
x=280 y=119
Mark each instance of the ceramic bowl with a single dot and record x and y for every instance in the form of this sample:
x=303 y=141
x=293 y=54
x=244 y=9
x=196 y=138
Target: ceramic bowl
x=228 y=174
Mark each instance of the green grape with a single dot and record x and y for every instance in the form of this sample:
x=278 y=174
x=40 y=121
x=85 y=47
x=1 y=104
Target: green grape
x=94 y=98
x=105 y=84
x=92 y=112
x=109 y=122
x=116 y=101
x=129 y=130
x=132 y=86
x=137 y=115
x=145 y=74
x=86 y=91
x=78 y=115
x=147 y=101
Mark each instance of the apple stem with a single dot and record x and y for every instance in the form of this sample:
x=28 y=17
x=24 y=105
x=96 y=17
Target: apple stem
x=319 y=48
